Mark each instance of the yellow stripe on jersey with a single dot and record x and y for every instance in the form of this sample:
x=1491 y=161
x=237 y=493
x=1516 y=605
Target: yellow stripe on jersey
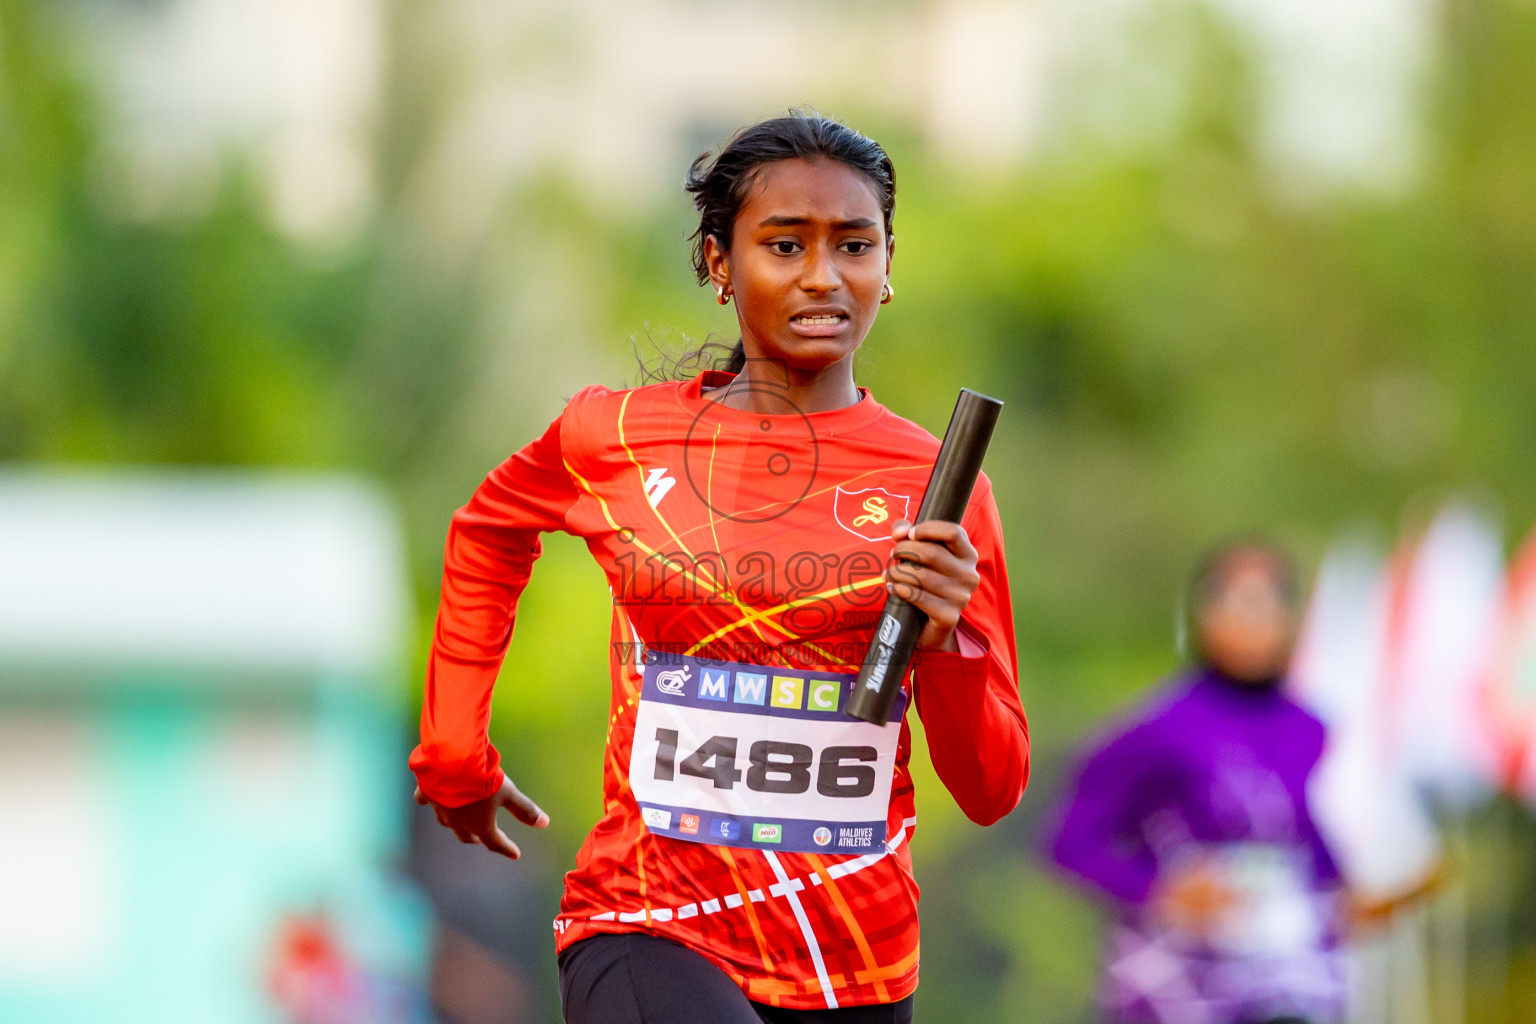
x=755 y=615
x=750 y=616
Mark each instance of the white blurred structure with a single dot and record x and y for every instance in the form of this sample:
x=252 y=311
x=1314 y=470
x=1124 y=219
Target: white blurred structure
x=1511 y=693
x=1396 y=657
x=619 y=95
x=291 y=87
x=1448 y=611
x=202 y=734
x=248 y=572
x=1340 y=83
x=1376 y=822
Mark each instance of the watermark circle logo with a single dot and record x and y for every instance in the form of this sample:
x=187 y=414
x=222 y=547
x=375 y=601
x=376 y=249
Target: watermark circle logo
x=822 y=836
x=751 y=470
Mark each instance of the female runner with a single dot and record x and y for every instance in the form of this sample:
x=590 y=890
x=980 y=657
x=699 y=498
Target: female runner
x=1193 y=818
x=752 y=861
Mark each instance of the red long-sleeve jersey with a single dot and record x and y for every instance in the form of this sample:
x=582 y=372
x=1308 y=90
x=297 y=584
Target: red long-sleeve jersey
x=748 y=542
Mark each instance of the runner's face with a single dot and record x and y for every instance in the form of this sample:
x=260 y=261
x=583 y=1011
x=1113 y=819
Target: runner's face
x=808 y=261
x=1246 y=626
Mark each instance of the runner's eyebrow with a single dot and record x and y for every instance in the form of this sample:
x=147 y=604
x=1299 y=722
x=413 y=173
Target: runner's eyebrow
x=856 y=224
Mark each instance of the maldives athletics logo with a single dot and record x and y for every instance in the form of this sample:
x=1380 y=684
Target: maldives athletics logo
x=870 y=513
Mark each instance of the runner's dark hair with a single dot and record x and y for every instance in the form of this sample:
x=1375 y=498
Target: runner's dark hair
x=720 y=183
x=1215 y=569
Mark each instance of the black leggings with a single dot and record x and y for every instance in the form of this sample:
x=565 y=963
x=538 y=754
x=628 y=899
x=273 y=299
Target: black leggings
x=642 y=979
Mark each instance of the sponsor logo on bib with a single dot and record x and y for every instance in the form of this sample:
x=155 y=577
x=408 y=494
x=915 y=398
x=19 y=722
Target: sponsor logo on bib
x=786 y=691
x=823 y=695
x=822 y=836
x=713 y=685
x=672 y=682
x=861 y=838
x=764 y=832
x=751 y=688
x=655 y=817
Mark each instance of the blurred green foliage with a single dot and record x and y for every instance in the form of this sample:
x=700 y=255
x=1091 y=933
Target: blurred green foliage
x=1186 y=348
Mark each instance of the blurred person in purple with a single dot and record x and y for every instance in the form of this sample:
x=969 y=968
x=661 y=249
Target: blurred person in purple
x=1192 y=819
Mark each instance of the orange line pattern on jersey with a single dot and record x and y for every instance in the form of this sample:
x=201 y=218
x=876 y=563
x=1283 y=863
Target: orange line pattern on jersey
x=845 y=912
x=753 y=615
x=749 y=615
x=640 y=472
x=709 y=503
x=746 y=902
x=709 y=506
x=772 y=989
x=879 y=975
x=825 y=490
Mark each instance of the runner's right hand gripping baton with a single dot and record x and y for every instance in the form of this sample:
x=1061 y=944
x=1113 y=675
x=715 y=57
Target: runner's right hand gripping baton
x=949 y=491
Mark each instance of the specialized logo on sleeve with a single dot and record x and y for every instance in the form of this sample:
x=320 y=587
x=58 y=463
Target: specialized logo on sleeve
x=657 y=485
x=871 y=512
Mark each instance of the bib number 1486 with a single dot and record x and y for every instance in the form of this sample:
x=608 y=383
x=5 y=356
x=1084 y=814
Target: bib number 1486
x=772 y=766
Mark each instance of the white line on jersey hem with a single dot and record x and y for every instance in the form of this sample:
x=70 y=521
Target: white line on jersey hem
x=805 y=927
x=786 y=887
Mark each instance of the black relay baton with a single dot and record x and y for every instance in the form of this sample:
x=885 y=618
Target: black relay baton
x=949 y=491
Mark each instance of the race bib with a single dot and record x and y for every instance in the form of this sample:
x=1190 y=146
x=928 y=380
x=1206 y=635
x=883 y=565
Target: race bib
x=760 y=757
x=1271 y=908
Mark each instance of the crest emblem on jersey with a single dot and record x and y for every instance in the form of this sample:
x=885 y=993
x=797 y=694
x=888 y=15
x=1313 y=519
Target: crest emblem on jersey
x=871 y=512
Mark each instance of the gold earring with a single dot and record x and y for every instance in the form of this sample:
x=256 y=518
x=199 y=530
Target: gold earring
x=887 y=293
x=721 y=296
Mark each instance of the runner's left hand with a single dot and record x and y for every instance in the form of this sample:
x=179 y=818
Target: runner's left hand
x=1193 y=898
x=934 y=567
x=475 y=823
